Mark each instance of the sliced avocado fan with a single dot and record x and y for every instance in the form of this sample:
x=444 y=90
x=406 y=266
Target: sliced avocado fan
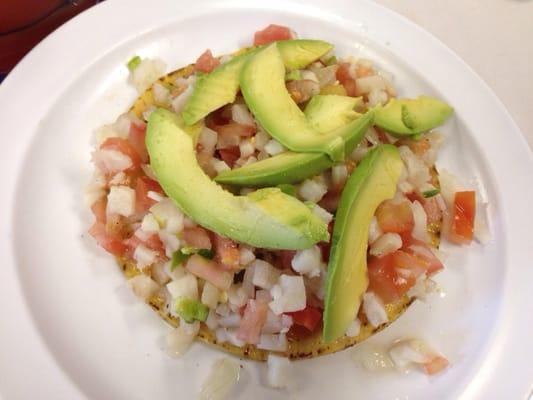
x=290 y=167
x=263 y=87
x=373 y=181
x=219 y=87
x=412 y=116
x=267 y=218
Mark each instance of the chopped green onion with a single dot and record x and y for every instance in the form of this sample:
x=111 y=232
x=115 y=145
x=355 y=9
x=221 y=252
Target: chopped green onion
x=178 y=258
x=134 y=62
x=293 y=75
x=332 y=60
x=430 y=193
x=206 y=253
x=287 y=188
x=191 y=310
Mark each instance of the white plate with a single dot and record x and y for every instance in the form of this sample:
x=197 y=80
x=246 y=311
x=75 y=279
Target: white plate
x=70 y=328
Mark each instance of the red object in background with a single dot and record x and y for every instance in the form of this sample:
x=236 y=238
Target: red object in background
x=24 y=23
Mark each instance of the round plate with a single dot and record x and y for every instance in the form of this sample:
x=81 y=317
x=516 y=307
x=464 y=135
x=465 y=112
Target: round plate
x=70 y=327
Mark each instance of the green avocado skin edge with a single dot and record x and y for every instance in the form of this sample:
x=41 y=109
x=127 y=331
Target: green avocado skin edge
x=373 y=181
x=266 y=218
x=292 y=167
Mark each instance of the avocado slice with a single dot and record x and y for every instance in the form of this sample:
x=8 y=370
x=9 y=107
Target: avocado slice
x=373 y=181
x=292 y=167
x=327 y=112
x=263 y=87
x=412 y=116
x=266 y=218
x=220 y=86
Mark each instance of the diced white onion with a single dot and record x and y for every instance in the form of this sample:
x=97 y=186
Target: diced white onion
x=420 y=229
x=261 y=139
x=354 y=328
x=246 y=255
x=186 y=286
x=449 y=185
x=161 y=93
x=373 y=359
x=405 y=352
x=178 y=103
x=246 y=148
x=323 y=214
x=170 y=241
x=149 y=224
x=241 y=115
x=210 y=295
x=232 y=320
x=237 y=296
x=312 y=190
x=274 y=147
x=307 y=262
x=387 y=243
x=147 y=72
x=481 y=227
x=222 y=378
x=224 y=335
x=418 y=171
x=374 y=231
x=208 y=140
x=288 y=294
x=271 y=342
x=155 y=196
x=278 y=371
x=121 y=201
x=367 y=84
x=309 y=75
x=180 y=339
x=212 y=320
x=144 y=256
x=339 y=174
x=143 y=286
x=168 y=215
x=265 y=275
x=111 y=161
x=247 y=281
x=219 y=165
x=374 y=309
x=377 y=96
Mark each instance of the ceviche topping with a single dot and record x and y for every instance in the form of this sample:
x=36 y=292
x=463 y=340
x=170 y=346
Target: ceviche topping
x=281 y=202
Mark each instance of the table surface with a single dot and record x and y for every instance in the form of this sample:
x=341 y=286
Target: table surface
x=494 y=37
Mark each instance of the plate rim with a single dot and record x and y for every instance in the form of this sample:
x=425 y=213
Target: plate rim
x=16 y=84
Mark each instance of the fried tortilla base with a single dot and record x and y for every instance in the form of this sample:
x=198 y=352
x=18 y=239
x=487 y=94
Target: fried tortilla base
x=308 y=347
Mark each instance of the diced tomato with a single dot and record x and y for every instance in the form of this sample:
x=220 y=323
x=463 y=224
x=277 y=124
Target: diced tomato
x=432 y=209
x=227 y=253
x=117 y=225
x=143 y=186
x=362 y=71
x=395 y=217
x=255 y=315
x=111 y=243
x=309 y=317
x=343 y=76
x=196 y=237
x=419 y=147
x=235 y=129
x=462 y=219
x=137 y=137
x=436 y=365
x=99 y=209
x=206 y=62
x=285 y=258
x=125 y=147
x=330 y=201
x=210 y=271
x=218 y=117
x=298 y=332
x=422 y=252
x=230 y=155
x=271 y=34
x=381 y=135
